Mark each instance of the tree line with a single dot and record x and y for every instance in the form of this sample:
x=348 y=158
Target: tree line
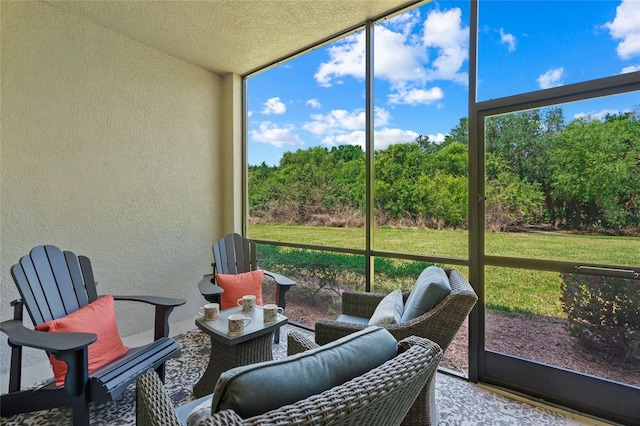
x=583 y=175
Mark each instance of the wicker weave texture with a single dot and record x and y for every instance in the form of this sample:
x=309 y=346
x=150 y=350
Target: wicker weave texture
x=299 y=342
x=440 y=324
x=225 y=357
x=382 y=396
x=153 y=405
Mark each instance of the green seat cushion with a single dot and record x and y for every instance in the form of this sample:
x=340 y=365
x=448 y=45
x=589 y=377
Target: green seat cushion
x=389 y=310
x=256 y=389
x=431 y=287
x=352 y=319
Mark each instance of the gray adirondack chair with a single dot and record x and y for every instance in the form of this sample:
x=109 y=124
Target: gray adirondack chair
x=235 y=254
x=53 y=284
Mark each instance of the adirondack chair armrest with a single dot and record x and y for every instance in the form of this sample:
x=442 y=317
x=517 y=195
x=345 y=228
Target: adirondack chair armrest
x=164 y=306
x=55 y=343
x=280 y=279
x=283 y=284
x=209 y=289
x=152 y=300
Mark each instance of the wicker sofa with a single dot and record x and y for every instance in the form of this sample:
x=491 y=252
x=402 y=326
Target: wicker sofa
x=380 y=396
x=439 y=324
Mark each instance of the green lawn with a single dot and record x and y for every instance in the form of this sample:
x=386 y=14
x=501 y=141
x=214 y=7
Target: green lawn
x=506 y=289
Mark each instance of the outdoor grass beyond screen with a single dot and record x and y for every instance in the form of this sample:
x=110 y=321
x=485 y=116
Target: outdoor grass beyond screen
x=564 y=187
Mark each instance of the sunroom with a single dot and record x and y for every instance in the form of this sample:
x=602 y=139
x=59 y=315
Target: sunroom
x=138 y=133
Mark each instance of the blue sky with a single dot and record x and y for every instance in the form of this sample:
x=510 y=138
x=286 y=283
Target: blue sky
x=421 y=72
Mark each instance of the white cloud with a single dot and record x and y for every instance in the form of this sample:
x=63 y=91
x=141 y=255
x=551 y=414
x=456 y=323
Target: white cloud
x=314 y=103
x=596 y=115
x=626 y=27
x=337 y=120
x=382 y=138
x=273 y=106
x=439 y=138
x=402 y=59
x=551 y=78
x=278 y=136
x=346 y=59
x=380 y=116
x=508 y=39
x=630 y=68
x=340 y=127
x=405 y=22
x=385 y=137
x=444 y=32
x=397 y=59
x=352 y=138
x=416 y=96
x=340 y=121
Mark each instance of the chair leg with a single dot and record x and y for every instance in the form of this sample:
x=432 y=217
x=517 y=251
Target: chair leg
x=280 y=292
x=80 y=407
x=15 y=374
x=424 y=410
x=16 y=369
x=161 y=330
x=160 y=372
x=161 y=327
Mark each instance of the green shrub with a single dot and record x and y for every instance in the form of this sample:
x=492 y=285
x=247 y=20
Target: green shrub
x=321 y=272
x=316 y=272
x=603 y=312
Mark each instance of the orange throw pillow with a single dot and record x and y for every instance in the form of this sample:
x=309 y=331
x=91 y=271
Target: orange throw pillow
x=98 y=317
x=236 y=286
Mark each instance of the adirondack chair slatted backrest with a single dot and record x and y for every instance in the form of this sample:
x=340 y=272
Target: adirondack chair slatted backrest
x=53 y=283
x=234 y=254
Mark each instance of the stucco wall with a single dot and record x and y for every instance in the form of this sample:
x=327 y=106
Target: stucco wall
x=108 y=149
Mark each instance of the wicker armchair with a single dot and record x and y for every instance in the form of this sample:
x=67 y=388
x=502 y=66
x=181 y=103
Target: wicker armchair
x=440 y=324
x=382 y=396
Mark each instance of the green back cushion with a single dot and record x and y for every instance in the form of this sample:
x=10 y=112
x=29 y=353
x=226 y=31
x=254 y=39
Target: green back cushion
x=256 y=389
x=431 y=287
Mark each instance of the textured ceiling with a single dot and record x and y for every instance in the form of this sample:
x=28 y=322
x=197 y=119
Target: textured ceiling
x=229 y=36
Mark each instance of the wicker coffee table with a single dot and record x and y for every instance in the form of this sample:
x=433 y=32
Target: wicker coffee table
x=251 y=346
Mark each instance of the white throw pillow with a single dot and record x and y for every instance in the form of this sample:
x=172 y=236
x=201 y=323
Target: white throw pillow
x=200 y=412
x=389 y=310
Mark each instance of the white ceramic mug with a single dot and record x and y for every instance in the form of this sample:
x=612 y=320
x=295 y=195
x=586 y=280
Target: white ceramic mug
x=237 y=323
x=270 y=312
x=210 y=311
x=247 y=302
